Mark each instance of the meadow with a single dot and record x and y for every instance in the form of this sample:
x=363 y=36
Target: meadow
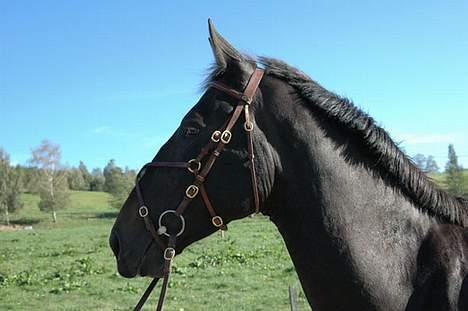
x=69 y=265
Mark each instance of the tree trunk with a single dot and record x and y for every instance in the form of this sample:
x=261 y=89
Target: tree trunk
x=7 y=215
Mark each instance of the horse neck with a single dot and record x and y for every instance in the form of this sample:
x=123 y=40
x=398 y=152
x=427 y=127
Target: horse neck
x=341 y=224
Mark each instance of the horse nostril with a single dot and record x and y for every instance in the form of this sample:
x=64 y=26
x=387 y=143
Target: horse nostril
x=114 y=243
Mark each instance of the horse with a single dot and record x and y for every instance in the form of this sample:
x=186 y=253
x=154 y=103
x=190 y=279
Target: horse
x=364 y=227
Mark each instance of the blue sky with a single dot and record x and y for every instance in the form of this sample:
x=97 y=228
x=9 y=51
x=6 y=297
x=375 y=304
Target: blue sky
x=112 y=79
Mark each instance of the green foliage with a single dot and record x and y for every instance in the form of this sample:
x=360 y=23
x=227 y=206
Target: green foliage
x=30 y=179
x=76 y=180
x=10 y=186
x=454 y=173
x=96 y=180
x=86 y=175
x=118 y=183
x=51 y=203
x=13 y=189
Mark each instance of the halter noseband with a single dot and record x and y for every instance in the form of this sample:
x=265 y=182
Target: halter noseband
x=212 y=150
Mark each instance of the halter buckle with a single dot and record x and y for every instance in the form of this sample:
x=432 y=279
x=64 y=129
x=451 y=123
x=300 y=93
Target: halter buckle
x=143 y=211
x=216 y=136
x=226 y=137
x=191 y=191
x=169 y=253
x=193 y=166
x=182 y=220
x=217 y=221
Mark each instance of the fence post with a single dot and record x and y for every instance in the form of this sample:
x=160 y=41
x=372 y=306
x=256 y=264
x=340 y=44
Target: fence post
x=293 y=298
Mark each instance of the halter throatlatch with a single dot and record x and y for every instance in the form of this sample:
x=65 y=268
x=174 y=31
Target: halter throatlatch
x=211 y=151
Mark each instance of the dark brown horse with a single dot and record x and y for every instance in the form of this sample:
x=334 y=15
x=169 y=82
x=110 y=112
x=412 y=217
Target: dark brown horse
x=365 y=228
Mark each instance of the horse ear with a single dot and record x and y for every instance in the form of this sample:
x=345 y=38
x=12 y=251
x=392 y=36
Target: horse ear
x=223 y=51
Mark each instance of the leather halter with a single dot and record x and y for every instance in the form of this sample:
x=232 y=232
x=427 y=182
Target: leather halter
x=200 y=170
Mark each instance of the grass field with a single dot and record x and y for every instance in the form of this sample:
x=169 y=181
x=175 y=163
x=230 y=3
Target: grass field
x=69 y=266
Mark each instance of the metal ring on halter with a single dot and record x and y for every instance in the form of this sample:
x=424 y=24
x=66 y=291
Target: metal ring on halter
x=248 y=126
x=195 y=162
x=143 y=211
x=182 y=220
x=169 y=253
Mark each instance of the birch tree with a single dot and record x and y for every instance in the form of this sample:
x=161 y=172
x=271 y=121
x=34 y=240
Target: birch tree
x=53 y=190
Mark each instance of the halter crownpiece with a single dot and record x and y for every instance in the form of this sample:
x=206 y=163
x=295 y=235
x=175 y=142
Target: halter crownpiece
x=213 y=151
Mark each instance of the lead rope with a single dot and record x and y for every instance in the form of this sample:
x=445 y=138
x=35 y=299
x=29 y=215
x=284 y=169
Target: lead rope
x=169 y=254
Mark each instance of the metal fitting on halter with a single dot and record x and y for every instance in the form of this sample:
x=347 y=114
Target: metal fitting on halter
x=217 y=221
x=164 y=231
x=216 y=136
x=246 y=99
x=191 y=191
x=226 y=137
x=193 y=166
x=143 y=211
x=169 y=253
x=248 y=126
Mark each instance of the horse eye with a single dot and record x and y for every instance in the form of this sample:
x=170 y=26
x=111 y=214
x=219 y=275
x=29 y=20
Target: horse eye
x=191 y=131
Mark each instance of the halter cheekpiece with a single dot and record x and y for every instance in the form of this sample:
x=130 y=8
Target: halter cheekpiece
x=211 y=152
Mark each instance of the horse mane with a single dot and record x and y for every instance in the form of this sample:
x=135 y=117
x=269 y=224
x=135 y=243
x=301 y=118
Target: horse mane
x=386 y=158
x=388 y=161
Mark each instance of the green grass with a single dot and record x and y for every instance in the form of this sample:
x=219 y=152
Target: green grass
x=69 y=266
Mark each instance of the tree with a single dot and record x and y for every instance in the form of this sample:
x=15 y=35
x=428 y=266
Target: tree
x=420 y=161
x=86 y=175
x=10 y=186
x=107 y=172
x=454 y=171
x=52 y=179
x=97 y=180
x=30 y=179
x=431 y=165
x=118 y=183
x=4 y=167
x=76 y=180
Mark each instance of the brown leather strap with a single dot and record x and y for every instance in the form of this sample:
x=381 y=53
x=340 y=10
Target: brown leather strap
x=214 y=149
x=248 y=126
x=167 y=270
x=216 y=220
x=168 y=164
x=230 y=91
x=254 y=82
x=146 y=294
